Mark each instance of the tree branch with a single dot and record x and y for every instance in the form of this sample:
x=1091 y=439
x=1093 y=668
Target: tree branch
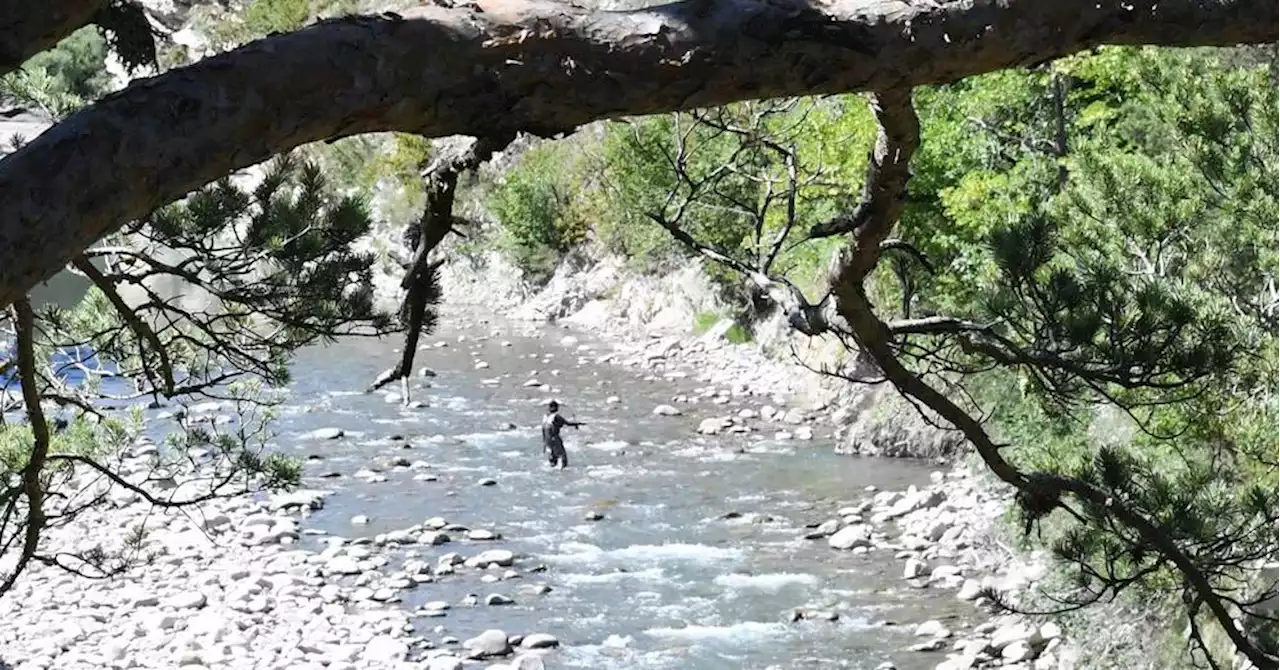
x=885 y=189
x=135 y=323
x=32 y=487
x=420 y=279
x=506 y=65
x=1038 y=491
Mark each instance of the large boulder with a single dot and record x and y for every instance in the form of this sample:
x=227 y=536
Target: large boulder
x=492 y=642
x=849 y=537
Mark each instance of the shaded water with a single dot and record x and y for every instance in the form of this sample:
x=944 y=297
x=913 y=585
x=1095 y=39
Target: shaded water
x=663 y=581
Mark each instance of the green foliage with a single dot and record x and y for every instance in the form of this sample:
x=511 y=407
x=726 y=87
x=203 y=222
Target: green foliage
x=543 y=207
x=81 y=437
x=261 y=18
x=735 y=334
x=704 y=321
x=63 y=79
x=1143 y=286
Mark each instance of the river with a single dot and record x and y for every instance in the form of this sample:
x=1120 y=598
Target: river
x=699 y=554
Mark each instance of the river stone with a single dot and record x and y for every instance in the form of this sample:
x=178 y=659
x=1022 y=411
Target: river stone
x=326 y=434
x=492 y=642
x=931 y=645
x=445 y=663
x=970 y=590
x=482 y=534
x=385 y=649
x=306 y=499
x=359 y=520
x=932 y=628
x=824 y=529
x=495 y=599
x=815 y=615
x=712 y=426
x=433 y=538
x=666 y=410
x=500 y=557
x=342 y=565
x=539 y=641
x=914 y=568
x=1017 y=652
x=190 y=600
x=851 y=536
x=1007 y=635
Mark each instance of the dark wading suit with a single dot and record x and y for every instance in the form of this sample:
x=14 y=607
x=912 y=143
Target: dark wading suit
x=551 y=442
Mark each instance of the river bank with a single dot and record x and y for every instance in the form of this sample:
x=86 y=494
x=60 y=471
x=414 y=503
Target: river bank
x=944 y=533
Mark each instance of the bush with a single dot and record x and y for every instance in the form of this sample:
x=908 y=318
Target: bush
x=544 y=207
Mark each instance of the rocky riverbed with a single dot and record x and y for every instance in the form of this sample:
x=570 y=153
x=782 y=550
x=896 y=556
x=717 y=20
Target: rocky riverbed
x=224 y=584
x=942 y=532
x=704 y=524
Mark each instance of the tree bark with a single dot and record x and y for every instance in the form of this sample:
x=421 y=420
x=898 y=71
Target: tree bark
x=503 y=66
x=28 y=27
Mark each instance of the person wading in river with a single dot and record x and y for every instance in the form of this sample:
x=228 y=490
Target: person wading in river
x=552 y=444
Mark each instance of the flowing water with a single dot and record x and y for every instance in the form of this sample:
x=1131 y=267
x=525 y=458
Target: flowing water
x=664 y=580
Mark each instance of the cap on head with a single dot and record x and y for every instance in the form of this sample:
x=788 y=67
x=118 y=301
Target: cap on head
x=553 y=406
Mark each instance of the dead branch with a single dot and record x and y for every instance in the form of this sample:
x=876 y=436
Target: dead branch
x=421 y=280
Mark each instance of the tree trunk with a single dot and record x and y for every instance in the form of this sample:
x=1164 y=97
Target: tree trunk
x=503 y=66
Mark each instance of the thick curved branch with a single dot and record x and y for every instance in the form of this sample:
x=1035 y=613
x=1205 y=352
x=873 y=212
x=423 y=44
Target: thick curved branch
x=507 y=65
x=31 y=27
x=32 y=487
x=135 y=323
x=884 y=193
x=872 y=334
x=876 y=339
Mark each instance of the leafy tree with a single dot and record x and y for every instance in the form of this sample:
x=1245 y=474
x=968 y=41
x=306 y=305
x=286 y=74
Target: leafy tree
x=1095 y=238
